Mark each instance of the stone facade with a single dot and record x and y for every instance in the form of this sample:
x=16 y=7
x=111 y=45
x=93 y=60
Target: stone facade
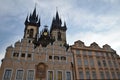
x=25 y=57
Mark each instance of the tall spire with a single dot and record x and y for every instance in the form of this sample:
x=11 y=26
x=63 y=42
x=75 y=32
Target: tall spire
x=33 y=19
x=34 y=12
x=56 y=22
x=26 y=21
x=57 y=15
x=65 y=27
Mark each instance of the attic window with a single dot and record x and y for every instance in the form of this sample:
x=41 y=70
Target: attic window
x=50 y=57
x=29 y=55
x=16 y=54
x=23 y=55
x=56 y=57
x=63 y=58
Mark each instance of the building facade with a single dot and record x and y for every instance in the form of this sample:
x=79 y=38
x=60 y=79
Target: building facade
x=45 y=55
x=93 y=62
x=39 y=56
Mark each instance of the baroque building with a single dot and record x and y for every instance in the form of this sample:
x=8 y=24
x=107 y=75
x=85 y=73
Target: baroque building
x=45 y=55
x=93 y=62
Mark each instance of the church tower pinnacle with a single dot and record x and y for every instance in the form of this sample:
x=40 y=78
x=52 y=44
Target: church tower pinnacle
x=32 y=24
x=58 y=30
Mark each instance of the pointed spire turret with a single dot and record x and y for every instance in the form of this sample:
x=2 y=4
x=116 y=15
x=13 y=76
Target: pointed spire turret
x=65 y=27
x=57 y=15
x=26 y=21
x=34 y=12
x=56 y=22
x=33 y=19
x=38 y=22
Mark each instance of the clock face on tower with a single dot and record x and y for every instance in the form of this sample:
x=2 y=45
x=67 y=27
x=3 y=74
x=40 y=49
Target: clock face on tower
x=45 y=33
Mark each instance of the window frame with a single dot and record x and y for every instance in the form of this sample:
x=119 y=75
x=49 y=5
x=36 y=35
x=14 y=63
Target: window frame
x=107 y=74
x=5 y=72
x=86 y=63
x=91 y=62
x=102 y=75
x=53 y=74
x=33 y=74
x=57 y=74
x=79 y=62
x=94 y=73
x=88 y=76
x=16 y=54
x=82 y=74
x=77 y=51
x=22 y=75
x=66 y=74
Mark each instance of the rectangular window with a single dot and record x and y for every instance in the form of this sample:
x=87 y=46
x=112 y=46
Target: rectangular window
x=115 y=64
x=87 y=75
x=29 y=55
x=77 y=51
x=79 y=61
x=84 y=52
x=19 y=75
x=89 y=52
x=102 y=75
x=94 y=75
x=7 y=74
x=91 y=62
x=63 y=58
x=99 y=63
x=107 y=54
x=50 y=75
x=56 y=57
x=85 y=62
x=110 y=63
x=107 y=75
x=81 y=75
x=50 y=57
x=104 y=63
x=59 y=75
x=30 y=75
x=23 y=55
x=113 y=75
x=68 y=76
x=118 y=75
x=97 y=54
x=15 y=54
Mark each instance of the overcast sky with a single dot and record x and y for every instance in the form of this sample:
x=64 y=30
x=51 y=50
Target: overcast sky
x=87 y=20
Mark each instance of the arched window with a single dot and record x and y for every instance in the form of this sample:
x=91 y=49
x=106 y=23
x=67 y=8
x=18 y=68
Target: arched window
x=31 y=33
x=59 y=36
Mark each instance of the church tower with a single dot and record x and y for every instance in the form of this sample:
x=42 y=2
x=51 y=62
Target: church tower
x=57 y=30
x=32 y=24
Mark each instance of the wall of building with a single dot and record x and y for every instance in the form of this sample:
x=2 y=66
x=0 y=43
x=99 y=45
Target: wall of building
x=94 y=62
x=23 y=56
